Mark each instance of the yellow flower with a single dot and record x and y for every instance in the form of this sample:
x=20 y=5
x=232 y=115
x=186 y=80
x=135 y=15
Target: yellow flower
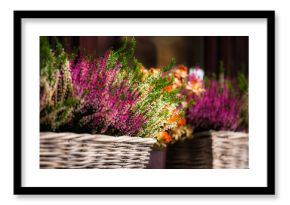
x=154 y=70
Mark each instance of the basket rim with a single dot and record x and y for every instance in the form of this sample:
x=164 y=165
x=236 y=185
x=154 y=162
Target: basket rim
x=95 y=137
x=221 y=133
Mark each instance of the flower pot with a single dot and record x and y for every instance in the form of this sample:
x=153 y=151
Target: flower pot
x=210 y=150
x=81 y=151
x=157 y=159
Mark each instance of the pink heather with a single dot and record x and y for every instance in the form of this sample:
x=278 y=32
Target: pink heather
x=216 y=109
x=107 y=103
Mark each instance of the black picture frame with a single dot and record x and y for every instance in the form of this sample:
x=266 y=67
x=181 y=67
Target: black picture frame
x=19 y=189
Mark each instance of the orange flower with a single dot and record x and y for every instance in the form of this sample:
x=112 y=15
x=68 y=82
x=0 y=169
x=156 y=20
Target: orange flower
x=180 y=73
x=168 y=88
x=153 y=70
x=181 y=122
x=182 y=68
x=166 y=136
x=173 y=118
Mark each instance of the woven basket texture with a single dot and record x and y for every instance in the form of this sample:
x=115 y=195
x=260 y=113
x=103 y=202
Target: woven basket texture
x=81 y=151
x=210 y=150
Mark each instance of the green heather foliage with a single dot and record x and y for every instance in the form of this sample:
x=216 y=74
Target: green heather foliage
x=243 y=85
x=151 y=86
x=56 y=90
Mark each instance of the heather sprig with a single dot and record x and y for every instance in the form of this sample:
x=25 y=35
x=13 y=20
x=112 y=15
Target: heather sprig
x=57 y=100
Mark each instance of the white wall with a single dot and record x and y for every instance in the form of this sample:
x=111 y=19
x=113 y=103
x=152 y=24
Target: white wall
x=282 y=100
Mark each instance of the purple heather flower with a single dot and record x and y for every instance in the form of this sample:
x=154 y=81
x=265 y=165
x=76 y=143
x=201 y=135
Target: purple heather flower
x=107 y=102
x=216 y=109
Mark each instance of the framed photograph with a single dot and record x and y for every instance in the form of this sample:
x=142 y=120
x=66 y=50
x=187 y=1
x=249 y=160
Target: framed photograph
x=144 y=102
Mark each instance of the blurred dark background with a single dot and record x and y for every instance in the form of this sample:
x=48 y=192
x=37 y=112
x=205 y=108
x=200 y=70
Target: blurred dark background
x=208 y=52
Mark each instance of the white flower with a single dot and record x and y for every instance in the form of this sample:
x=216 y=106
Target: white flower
x=198 y=72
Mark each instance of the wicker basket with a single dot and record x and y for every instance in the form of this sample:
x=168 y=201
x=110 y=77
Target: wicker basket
x=75 y=151
x=210 y=150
